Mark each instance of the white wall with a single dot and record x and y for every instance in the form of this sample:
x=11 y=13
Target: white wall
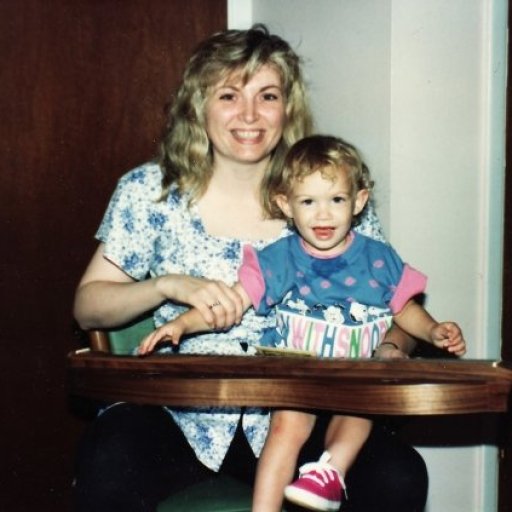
x=419 y=87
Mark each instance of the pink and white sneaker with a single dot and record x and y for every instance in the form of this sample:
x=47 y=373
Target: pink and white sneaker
x=319 y=486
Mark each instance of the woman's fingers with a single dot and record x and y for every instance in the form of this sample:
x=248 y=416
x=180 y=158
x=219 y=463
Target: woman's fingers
x=219 y=304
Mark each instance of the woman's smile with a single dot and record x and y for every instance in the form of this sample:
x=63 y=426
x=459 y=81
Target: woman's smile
x=248 y=136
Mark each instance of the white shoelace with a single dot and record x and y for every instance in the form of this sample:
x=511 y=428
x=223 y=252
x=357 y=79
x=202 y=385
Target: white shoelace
x=324 y=472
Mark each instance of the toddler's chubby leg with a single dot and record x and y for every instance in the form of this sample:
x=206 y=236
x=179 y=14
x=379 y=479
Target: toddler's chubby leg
x=321 y=484
x=289 y=430
x=344 y=439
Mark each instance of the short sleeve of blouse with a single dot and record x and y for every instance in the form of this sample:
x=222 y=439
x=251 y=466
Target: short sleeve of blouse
x=133 y=220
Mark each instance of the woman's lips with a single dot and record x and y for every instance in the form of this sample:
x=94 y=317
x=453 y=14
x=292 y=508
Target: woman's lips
x=248 y=136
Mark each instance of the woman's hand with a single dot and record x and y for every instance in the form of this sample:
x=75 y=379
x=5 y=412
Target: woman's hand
x=108 y=297
x=219 y=304
x=193 y=320
x=389 y=350
x=397 y=344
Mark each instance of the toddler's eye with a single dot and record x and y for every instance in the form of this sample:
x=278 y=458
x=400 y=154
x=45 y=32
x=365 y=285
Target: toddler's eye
x=338 y=199
x=306 y=201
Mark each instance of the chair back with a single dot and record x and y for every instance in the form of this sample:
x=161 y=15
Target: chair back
x=123 y=340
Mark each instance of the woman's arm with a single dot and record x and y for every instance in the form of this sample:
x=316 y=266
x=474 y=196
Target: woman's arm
x=107 y=297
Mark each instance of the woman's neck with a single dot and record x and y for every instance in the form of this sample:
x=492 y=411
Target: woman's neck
x=244 y=178
x=231 y=206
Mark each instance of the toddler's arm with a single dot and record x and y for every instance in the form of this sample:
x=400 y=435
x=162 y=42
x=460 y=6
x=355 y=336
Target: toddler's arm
x=187 y=323
x=446 y=335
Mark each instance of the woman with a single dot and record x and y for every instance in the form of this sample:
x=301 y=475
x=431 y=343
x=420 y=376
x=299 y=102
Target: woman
x=183 y=221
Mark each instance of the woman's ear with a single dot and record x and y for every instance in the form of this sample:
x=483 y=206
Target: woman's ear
x=283 y=204
x=361 y=200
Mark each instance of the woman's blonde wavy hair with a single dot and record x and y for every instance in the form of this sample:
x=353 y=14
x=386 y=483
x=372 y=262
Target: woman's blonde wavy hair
x=185 y=154
x=323 y=153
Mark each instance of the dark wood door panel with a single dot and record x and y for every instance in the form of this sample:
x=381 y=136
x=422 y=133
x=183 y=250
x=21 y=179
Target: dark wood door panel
x=84 y=85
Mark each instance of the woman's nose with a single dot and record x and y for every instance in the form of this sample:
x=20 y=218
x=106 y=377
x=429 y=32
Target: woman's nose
x=249 y=111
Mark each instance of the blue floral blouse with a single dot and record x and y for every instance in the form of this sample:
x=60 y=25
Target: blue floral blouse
x=145 y=236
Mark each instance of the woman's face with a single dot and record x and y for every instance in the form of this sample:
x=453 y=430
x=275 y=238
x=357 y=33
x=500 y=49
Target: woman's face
x=245 y=122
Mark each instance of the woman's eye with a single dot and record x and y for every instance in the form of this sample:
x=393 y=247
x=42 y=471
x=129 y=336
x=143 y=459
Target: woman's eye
x=270 y=96
x=227 y=96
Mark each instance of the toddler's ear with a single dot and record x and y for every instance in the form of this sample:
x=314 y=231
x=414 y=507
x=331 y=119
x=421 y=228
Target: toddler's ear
x=361 y=199
x=283 y=204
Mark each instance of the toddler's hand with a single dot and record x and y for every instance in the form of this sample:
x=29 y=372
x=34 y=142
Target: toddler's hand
x=448 y=336
x=170 y=331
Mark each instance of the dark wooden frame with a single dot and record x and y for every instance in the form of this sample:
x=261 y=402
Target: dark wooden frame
x=505 y=472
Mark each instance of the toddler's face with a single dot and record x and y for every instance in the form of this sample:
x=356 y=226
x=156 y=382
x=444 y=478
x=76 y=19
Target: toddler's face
x=322 y=210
